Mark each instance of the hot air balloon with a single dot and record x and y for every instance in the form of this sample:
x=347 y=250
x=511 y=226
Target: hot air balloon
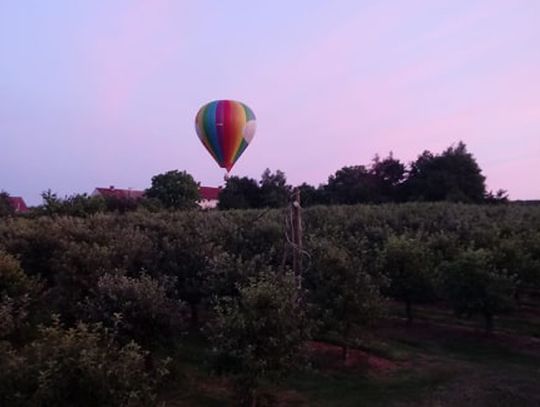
x=226 y=128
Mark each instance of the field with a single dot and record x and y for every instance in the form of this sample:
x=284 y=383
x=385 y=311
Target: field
x=439 y=361
x=400 y=305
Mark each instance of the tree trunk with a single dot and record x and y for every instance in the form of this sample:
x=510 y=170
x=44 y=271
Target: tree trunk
x=408 y=311
x=248 y=397
x=345 y=346
x=489 y=323
x=194 y=311
x=345 y=353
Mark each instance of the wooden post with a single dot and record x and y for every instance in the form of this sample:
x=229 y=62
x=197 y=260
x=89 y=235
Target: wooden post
x=297 y=236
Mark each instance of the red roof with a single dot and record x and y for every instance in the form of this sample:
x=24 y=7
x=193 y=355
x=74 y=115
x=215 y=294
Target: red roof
x=117 y=193
x=209 y=193
x=18 y=204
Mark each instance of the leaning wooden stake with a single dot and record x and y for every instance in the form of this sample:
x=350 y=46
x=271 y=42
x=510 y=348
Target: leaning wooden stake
x=297 y=236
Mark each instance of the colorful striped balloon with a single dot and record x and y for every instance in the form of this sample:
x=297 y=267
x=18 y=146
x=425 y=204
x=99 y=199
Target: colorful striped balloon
x=226 y=128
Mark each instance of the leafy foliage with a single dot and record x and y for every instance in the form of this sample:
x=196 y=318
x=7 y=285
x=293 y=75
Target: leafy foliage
x=259 y=334
x=453 y=175
x=175 y=190
x=141 y=307
x=345 y=295
x=80 y=366
x=406 y=262
x=5 y=206
x=473 y=285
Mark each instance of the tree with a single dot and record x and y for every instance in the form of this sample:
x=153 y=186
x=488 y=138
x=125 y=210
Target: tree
x=453 y=175
x=499 y=197
x=239 y=193
x=274 y=189
x=52 y=204
x=405 y=261
x=175 y=190
x=259 y=335
x=6 y=209
x=345 y=295
x=389 y=173
x=352 y=185
x=473 y=285
x=80 y=205
x=149 y=313
x=310 y=195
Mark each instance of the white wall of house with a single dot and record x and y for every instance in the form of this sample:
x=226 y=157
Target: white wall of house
x=208 y=203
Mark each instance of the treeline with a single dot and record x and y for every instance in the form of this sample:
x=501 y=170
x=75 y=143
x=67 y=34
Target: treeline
x=453 y=175
x=90 y=307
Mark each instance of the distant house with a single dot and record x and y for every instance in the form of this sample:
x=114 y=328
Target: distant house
x=209 y=197
x=18 y=204
x=118 y=193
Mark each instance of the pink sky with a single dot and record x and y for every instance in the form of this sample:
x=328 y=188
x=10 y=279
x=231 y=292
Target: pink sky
x=97 y=93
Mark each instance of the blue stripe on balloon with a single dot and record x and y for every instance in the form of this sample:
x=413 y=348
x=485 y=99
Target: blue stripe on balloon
x=211 y=130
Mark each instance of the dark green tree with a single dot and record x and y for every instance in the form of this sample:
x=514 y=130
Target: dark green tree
x=389 y=173
x=406 y=263
x=5 y=206
x=474 y=285
x=239 y=193
x=310 y=196
x=352 y=185
x=345 y=296
x=259 y=334
x=175 y=190
x=453 y=175
x=499 y=197
x=274 y=189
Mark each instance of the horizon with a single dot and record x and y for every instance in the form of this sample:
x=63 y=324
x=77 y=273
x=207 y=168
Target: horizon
x=97 y=94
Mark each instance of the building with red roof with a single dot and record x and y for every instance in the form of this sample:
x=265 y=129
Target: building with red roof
x=209 y=196
x=18 y=204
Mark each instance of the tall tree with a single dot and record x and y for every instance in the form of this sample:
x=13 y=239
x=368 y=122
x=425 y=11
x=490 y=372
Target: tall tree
x=239 y=193
x=453 y=175
x=175 y=190
x=352 y=185
x=274 y=189
x=312 y=196
x=390 y=173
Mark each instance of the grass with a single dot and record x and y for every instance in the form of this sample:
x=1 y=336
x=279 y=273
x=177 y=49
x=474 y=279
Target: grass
x=450 y=364
x=345 y=389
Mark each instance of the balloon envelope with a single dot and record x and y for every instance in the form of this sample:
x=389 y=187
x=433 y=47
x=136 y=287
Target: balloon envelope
x=226 y=128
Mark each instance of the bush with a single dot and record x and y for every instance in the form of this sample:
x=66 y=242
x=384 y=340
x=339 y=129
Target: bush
x=344 y=294
x=259 y=334
x=18 y=294
x=407 y=264
x=472 y=284
x=80 y=366
x=148 y=314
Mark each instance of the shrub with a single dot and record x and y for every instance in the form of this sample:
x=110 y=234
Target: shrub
x=407 y=264
x=80 y=366
x=344 y=294
x=472 y=284
x=18 y=293
x=259 y=334
x=148 y=314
